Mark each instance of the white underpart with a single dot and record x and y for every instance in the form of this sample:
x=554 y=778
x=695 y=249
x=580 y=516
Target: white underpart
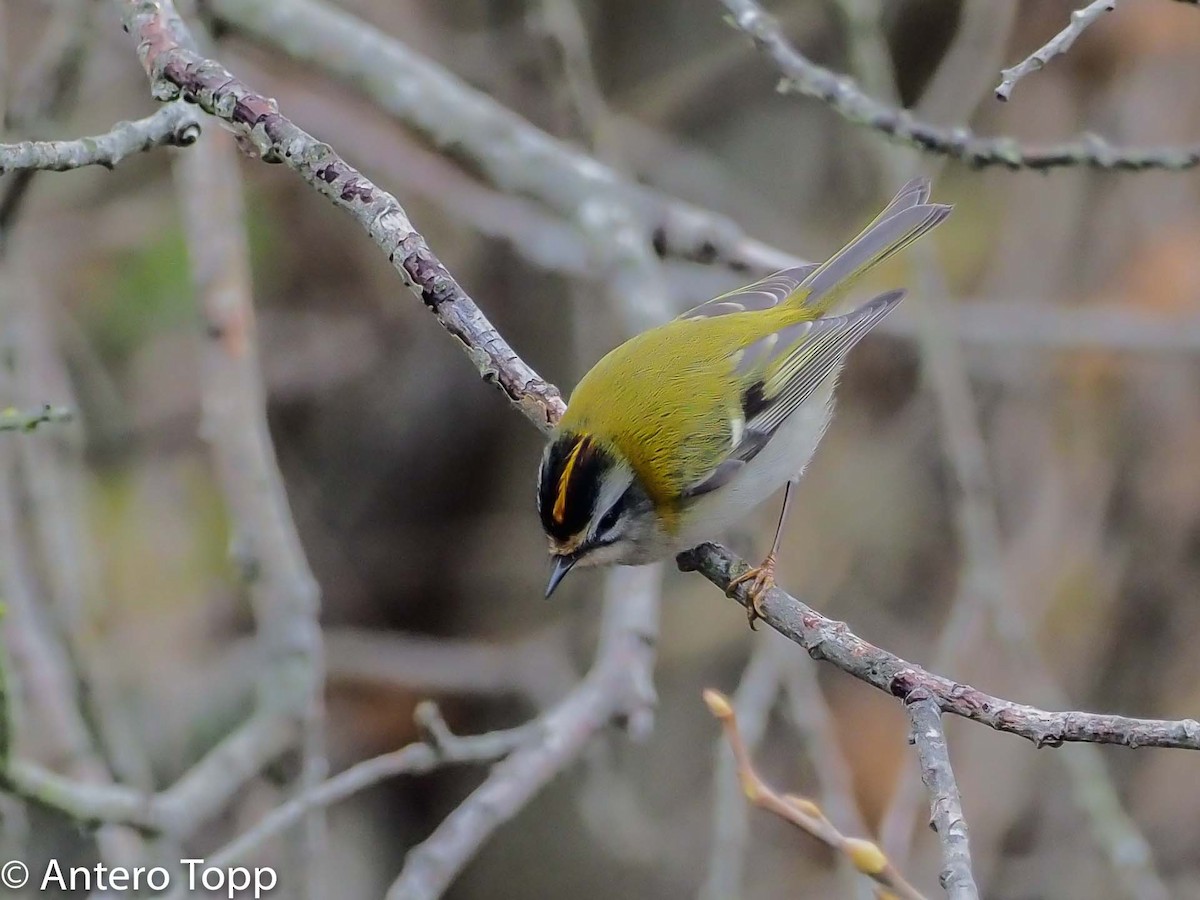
x=784 y=458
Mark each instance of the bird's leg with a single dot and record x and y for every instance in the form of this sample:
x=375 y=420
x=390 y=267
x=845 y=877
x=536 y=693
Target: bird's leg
x=762 y=577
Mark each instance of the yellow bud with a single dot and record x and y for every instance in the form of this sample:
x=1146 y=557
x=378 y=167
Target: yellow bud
x=867 y=858
x=718 y=704
x=750 y=787
x=805 y=806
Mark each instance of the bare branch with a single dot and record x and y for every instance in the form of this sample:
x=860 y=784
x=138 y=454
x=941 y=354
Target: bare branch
x=827 y=639
x=945 y=805
x=1056 y=46
x=175 y=125
x=175 y=70
x=841 y=94
x=506 y=150
x=415 y=759
x=617 y=687
x=864 y=855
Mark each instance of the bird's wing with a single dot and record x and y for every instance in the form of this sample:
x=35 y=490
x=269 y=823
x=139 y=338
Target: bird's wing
x=764 y=294
x=780 y=371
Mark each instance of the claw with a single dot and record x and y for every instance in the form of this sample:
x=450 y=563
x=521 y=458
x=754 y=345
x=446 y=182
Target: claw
x=762 y=579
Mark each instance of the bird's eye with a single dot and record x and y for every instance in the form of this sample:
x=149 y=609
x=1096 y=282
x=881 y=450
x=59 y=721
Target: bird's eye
x=609 y=519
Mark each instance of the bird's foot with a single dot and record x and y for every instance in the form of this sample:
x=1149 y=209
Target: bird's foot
x=762 y=579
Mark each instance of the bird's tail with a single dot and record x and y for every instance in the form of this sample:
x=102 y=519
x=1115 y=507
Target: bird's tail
x=902 y=221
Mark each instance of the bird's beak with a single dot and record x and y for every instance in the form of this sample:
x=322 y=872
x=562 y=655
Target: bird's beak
x=562 y=565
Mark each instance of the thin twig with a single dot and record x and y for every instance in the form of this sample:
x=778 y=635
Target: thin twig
x=843 y=95
x=12 y=419
x=1056 y=46
x=502 y=147
x=864 y=855
x=945 y=805
x=175 y=125
x=752 y=701
x=415 y=759
x=827 y=639
x=618 y=686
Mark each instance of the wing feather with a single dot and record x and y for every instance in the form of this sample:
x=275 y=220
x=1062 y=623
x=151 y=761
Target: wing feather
x=766 y=293
x=804 y=355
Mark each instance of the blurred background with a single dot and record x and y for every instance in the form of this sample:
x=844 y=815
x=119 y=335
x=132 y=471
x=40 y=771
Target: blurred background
x=1071 y=298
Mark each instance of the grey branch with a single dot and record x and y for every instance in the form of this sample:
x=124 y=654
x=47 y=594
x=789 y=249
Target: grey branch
x=843 y=95
x=826 y=639
x=266 y=544
x=415 y=759
x=174 y=70
x=173 y=125
x=503 y=148
x=27 y=420
x=945 y=804
x=1056 y=46
x=617 y=687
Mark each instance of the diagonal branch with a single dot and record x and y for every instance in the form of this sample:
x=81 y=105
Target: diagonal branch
x=499 y=145
x=824 y=638
x=176 y=71
x=1056 y=46
x=843 y=95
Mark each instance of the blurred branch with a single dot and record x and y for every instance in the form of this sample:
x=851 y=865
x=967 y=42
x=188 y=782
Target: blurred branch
x=440 y=748
x=265 y=543
x=46 y=85
x=945 y=805
x=535 y=667
x=174 y=70
x=752 y=701
x=506 y=150
x=951 y=95
x=40 y=676
x=824 y=638
x=618 y=687
x=810 y=715
x=12 y=419
x=843 y=95
x=864 y=855
x=175 y=125
x=1056 y=46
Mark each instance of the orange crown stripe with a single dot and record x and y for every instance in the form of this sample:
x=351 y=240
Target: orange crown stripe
x=560 y=501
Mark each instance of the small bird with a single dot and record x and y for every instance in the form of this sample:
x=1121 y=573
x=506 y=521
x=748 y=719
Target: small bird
x=683 y=429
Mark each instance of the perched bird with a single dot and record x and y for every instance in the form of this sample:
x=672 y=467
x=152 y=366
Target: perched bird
x=683 y=429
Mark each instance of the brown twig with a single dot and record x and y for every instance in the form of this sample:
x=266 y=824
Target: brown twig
x=864 y=855
x=827 y=639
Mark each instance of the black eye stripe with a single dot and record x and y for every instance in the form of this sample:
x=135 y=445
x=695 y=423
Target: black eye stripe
x=609 y=519
x=566 y=504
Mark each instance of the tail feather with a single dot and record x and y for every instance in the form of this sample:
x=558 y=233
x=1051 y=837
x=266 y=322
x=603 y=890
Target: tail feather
x=902 y=221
